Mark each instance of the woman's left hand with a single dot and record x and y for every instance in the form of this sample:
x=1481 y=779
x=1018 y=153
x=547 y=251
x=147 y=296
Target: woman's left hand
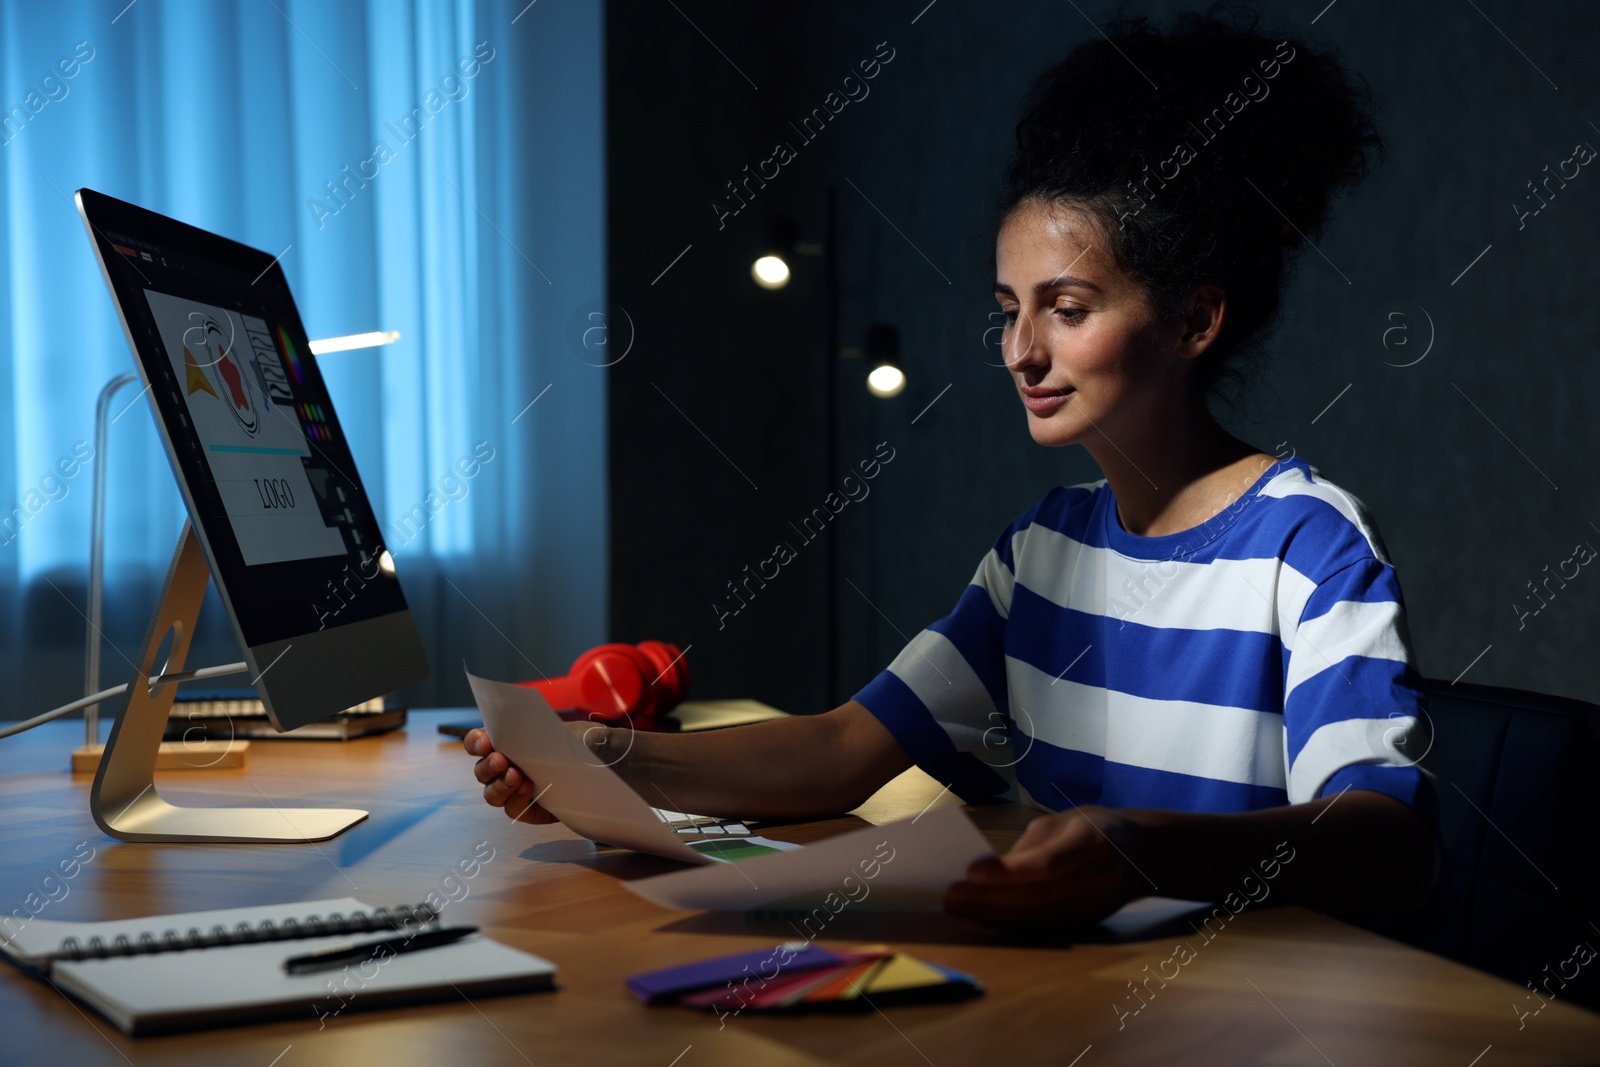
x=1066 y=868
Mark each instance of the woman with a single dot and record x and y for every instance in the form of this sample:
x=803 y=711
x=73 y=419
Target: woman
x=1202 y=656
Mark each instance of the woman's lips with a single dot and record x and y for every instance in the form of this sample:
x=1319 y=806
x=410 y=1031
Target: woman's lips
x=1045 y=401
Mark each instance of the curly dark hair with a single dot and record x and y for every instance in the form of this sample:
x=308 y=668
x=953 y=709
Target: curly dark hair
x=1205 y=152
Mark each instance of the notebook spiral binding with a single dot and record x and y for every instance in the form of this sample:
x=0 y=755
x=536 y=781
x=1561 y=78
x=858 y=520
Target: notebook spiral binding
x=244 y=933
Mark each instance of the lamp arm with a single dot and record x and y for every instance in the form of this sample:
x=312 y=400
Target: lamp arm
x=97 y=530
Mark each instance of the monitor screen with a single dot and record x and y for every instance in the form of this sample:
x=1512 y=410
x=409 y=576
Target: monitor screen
x=264 y=466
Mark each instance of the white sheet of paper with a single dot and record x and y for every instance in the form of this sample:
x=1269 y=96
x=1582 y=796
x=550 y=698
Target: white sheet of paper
x=575 y=785
x=1136 y=920
x=902 y=865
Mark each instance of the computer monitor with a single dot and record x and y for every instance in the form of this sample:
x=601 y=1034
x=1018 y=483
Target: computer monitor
x=271 y=488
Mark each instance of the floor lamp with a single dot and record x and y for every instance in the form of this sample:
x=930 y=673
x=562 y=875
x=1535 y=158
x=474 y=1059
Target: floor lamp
x=886 y=378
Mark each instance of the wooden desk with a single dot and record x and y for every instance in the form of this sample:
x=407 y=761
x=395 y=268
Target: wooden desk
x=1283 y=986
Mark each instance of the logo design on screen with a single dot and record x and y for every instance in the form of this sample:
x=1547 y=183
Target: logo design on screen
x=211 y=365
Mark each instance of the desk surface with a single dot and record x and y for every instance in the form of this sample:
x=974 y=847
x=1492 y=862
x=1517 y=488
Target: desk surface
x=1279 y=986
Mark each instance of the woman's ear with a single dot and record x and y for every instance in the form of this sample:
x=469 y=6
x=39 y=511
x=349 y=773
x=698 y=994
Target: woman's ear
x=1205 y=312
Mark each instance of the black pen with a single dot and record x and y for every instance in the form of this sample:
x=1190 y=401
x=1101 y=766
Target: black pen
x=338 y=955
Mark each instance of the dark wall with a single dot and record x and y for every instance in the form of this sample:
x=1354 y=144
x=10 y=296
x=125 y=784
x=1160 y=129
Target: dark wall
x=1477 y=461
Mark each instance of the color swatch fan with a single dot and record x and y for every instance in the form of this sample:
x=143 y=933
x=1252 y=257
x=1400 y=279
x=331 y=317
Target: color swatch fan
x=799 y=976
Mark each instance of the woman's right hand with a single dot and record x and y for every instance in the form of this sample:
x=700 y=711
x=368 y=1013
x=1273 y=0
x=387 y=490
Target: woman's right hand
x=504 y=784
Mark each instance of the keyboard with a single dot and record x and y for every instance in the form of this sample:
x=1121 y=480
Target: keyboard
x=701 y=825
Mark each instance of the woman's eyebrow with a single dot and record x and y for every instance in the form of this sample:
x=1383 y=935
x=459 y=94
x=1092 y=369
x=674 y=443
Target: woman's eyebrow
x=1061 y=281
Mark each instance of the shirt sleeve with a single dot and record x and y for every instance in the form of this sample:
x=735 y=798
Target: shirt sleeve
x=1355 y=716
x=944 y=696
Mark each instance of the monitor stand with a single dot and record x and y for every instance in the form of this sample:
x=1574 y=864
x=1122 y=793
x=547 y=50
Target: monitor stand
x=124 y=800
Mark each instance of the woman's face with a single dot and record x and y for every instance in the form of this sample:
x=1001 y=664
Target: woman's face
x=1085 y=347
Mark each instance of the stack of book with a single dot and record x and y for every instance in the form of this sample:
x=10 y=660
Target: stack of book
x=226 y=714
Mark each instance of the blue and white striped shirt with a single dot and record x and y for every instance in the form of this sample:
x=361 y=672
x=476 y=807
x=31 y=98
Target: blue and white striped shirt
x=1259 y=659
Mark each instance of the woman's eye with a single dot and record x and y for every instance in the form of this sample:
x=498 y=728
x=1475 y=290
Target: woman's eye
x=1070 y=314
x=1010 y=315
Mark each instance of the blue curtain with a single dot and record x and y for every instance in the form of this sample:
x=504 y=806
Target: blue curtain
x=434 y=168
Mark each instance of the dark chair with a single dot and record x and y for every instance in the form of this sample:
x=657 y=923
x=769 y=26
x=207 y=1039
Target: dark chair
x=1518 y=782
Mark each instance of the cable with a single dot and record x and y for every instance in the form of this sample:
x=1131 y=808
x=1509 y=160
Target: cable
x=174 y=678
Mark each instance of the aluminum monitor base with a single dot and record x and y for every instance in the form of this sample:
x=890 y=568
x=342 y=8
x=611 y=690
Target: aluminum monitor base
x=124 y=800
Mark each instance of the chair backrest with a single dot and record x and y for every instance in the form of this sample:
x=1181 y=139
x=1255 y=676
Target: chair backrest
x=1518 y=782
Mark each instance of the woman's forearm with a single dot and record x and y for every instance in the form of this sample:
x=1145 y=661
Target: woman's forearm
x=1357 y=851
x=1360 y=851
x=804 y=766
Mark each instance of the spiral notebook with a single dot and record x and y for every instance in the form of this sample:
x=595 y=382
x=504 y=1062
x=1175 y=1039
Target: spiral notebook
x=200 y=969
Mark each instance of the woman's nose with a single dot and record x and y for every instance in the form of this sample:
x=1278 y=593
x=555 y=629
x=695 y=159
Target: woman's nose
x=1025 y=345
